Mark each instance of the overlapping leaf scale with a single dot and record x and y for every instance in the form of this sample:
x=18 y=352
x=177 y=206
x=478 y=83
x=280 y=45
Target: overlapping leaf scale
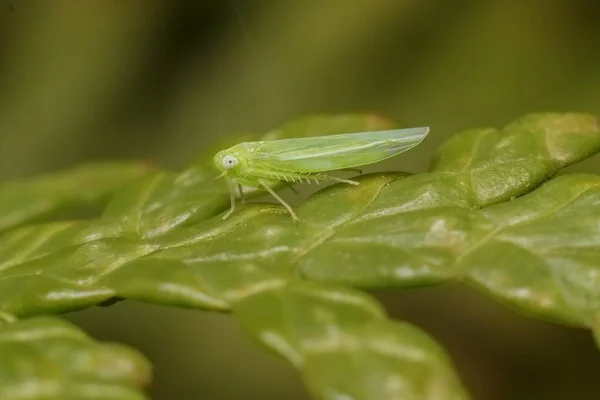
x=543 y=254
x=47 y=358
x=164 y=201
x=344 y=345
x=28 y=201
x=502 y=164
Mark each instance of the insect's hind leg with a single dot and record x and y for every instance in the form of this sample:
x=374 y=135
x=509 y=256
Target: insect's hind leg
x=341 y=180
x=279 y=199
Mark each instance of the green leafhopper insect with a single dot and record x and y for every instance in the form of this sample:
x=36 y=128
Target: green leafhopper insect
x=265 y=163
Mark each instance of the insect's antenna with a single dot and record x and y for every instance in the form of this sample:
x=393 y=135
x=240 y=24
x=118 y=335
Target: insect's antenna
x=222 y=175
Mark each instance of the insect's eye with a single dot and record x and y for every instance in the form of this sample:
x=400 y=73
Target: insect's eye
x=229 y=162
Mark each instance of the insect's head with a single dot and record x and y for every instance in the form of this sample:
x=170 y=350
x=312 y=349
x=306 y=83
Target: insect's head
x=225 y=160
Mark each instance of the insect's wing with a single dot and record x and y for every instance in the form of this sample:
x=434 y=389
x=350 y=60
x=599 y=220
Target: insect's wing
x=327 y=153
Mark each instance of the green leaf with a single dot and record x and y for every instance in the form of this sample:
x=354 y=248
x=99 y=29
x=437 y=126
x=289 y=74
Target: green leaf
x=164 y=201
x=46 y=358
x=498 y=165
x=30 y=201
x=542 y=253
x=162 y=240
x=344 y=346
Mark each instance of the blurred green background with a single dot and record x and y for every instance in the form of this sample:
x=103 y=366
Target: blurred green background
x=162 y=80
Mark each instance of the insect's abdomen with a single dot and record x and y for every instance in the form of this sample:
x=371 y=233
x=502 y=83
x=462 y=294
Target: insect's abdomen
x=281 y=175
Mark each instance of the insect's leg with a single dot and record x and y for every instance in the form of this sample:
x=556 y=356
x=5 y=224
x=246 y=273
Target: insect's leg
x=242 y=195
x=232 y=197
x=283 y=203
x=336 y=179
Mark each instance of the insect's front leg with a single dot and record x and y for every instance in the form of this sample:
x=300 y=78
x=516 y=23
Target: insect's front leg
x=232 y=185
